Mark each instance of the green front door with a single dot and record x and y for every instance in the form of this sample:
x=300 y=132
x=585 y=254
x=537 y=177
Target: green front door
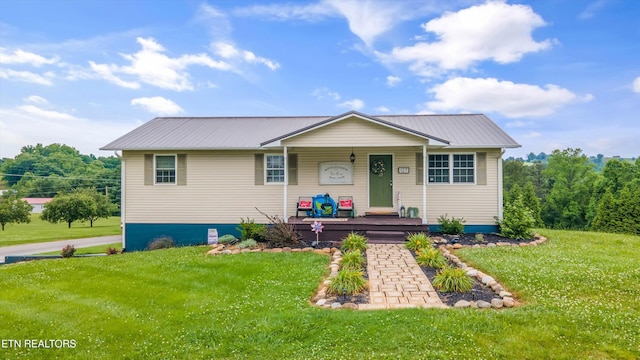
x=380 y=181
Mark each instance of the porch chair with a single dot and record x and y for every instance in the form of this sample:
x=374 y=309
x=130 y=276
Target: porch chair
x=345 y=203
x=305 y=203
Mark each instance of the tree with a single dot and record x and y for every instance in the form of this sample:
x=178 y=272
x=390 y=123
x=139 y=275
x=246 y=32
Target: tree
x=571 y=179
x=532 y=202
x=103 y=208
x=69 y=208
x=606 y=219
x=13 y=210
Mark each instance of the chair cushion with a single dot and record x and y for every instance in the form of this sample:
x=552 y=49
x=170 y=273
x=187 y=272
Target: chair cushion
x=304 y=204
x=346 y=203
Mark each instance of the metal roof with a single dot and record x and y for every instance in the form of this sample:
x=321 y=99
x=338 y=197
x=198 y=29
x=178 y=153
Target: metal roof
x=206 y=133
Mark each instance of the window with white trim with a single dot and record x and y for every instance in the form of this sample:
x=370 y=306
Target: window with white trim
x=439 y=168
x=463 y=168
x=165 y=169
x=274 y=169
x=451 y=168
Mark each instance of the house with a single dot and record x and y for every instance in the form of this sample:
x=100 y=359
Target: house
x=184 y=175
x=37 y=204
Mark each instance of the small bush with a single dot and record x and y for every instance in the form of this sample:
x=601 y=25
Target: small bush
x=451 y=279
x=68 y=251
x=354 y=241
x=164 y=242
x=479 y=238
x=431 y=257
x=225 y=239
x=517 y=220
x=247 y=243
x=418 y=241
x=451 y=226
x=347 y=282
x=281 y=234
x=112 y=251
x=352 y=260
x=250 y=230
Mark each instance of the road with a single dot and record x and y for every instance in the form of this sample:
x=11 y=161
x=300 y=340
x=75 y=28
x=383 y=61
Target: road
x=37 y=248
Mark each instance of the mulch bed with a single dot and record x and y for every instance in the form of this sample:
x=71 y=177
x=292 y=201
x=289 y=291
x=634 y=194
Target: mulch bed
x=470 y=239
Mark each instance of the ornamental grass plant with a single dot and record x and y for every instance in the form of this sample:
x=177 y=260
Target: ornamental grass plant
x=417 y=241
x=354 y=241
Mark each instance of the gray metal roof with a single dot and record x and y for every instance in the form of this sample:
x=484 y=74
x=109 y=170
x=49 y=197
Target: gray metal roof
x=205 y=133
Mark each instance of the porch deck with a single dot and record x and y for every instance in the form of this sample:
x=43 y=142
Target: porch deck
x=379 y=229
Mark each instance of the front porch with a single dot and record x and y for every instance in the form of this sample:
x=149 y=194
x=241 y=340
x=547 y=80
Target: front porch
x=380 y=229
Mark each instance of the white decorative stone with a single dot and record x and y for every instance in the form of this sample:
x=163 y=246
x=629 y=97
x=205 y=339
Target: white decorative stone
x=321 y=302
x=336 y=305
x=497 y=303
x=483 y=304
x=505 y=294
x=462 y=304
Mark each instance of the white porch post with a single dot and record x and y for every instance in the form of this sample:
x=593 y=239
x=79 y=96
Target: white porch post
x=286 y=184
x=500 y=195
x=123 y=197
x=424 y=184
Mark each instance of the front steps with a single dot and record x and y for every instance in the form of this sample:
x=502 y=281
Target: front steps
x=385 y=237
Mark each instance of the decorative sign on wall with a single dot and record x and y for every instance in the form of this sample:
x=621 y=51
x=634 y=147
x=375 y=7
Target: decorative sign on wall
x=403 y=170
x=212 y=236
x=335 y=173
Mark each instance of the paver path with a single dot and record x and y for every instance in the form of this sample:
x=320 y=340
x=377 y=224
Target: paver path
x=396 y=280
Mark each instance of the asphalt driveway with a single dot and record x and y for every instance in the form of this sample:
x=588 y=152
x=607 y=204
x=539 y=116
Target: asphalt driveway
x=37 y=248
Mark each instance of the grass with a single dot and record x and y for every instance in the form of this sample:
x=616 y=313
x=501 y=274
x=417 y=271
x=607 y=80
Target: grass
x=41 y=231
x=580 y=290
x=98 y=249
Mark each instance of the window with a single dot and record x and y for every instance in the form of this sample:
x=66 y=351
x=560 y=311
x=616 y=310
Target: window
x=165 y=169
x=463 y=168
x=462 y=171
x=439 y=168
x=274 y=169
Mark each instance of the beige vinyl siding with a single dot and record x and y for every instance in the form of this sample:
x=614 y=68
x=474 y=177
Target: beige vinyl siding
x=221 y=187
x=354 y=132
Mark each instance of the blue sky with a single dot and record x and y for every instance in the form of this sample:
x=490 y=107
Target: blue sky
x=553 y=74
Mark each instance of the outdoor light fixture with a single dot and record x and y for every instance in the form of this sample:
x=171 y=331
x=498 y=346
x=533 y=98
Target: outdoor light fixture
x=352 y=157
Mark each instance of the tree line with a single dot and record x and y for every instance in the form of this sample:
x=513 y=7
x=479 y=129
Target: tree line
x=83 y=187
x=567 y=192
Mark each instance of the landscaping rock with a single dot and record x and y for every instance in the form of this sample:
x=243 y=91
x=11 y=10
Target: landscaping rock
x=296 y=250
x=472 y=272
x=226 y=252
x=307 y=249
x=321 y=302
x=286 y=249
x=457 y=246
x=491 y=245
x=276 y=250
x=501 y=243
x=350 y=305
x=505 y=294
x=483 y=304
x=326 y=250
x=462 y=304
x=213 y=252
x=486 y=279
x=336 y=305
x=497 y=303
x=508 y=302
x=245 y=250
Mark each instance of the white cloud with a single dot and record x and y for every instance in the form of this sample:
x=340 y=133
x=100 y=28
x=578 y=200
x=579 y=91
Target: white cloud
x=29 y=125
x=324 y=93
x=393 y=80
x=27 y=76
x=157 y=105
x=591 y=9
x=150 y=65
x=284 y=12
x=382 y=109
x=228 y=51
x=636 y=85
x=490 y=95
x=353 y=104
x=35 y=99
x=20 y=56
x=493 y=31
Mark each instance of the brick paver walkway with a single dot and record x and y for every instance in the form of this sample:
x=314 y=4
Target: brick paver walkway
x=396 y=280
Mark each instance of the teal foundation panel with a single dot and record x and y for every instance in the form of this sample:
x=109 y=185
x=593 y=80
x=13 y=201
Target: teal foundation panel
x=139 y=236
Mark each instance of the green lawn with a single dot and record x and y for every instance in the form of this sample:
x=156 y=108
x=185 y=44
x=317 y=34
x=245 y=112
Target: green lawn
x=581 y=292
x=98 y=249
x=40 y=231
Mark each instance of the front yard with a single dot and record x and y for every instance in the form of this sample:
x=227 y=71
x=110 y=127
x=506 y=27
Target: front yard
x=580 y=292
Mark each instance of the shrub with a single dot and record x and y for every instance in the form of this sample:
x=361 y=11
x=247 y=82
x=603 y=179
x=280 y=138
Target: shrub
x=164 y=242
x=517 y=220
x=354 y=241
x=352 y=260
x=431 y=257
x=68 y=251
x=281 y=234
x=452 y=279
x=451 y=226
x=479 y=238
x=247 y=243
x=418 y=241
x=347 y=282
x=225 y=239
x=250 y=230
x=112 y=251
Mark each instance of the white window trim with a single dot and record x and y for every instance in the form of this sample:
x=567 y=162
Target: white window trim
x=155 y=173
x=266 y=169
x=450 y=155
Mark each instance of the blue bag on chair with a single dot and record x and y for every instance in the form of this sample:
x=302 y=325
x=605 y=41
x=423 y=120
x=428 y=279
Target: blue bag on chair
x=324 y=206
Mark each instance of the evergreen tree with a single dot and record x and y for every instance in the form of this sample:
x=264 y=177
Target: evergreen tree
x=532 y=202
x=607 y=219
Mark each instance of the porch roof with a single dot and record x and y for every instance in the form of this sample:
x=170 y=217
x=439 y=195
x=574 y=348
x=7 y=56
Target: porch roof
x=246 y=133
